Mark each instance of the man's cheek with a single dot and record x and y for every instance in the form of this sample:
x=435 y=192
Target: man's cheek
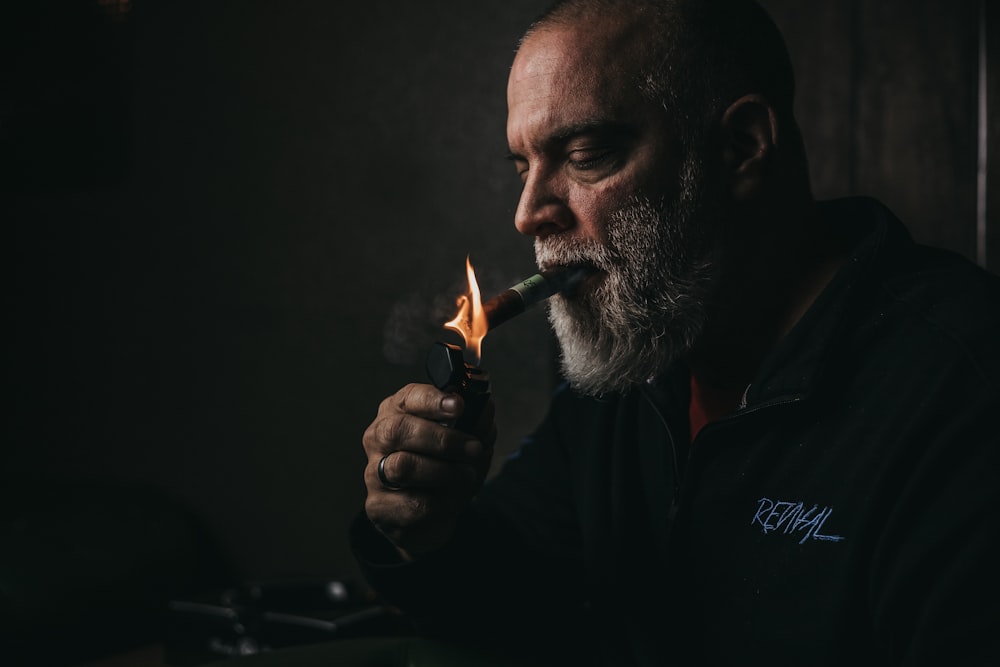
x=595 y=209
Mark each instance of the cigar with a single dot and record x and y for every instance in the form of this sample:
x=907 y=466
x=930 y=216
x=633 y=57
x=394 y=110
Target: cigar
x=531 y=291
x=446 y=365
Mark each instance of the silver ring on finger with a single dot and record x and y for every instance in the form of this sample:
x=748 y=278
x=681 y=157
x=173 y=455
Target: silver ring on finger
x=383 y=480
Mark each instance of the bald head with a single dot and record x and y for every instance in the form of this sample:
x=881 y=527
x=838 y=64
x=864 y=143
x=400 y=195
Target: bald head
x=691 y=57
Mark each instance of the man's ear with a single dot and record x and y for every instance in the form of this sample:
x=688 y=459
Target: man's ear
x=750 y=133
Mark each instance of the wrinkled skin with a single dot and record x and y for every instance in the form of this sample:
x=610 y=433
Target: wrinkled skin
x=438 y=468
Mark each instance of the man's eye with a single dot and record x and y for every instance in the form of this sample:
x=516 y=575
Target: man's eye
x=590 y=159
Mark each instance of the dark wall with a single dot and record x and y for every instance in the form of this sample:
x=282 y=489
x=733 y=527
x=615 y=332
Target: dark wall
x=237 y=225
x=889 y=103
x=221 y=269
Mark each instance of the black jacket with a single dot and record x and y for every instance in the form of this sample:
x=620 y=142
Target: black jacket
x=846 y=513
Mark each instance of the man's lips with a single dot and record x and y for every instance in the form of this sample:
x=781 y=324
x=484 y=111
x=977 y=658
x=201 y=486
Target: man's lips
x=591 y=281
x=592 y=276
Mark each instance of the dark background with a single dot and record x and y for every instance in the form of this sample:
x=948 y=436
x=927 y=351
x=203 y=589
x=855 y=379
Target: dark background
x=234 y=226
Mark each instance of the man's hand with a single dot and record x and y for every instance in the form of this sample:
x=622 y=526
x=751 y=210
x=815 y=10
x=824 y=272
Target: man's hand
x=429 y=472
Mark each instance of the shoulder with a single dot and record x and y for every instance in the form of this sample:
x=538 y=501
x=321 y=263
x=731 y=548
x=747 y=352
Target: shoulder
x=950 y=304
x=935 y=306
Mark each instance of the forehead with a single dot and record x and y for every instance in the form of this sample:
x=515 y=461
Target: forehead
x=568 y=74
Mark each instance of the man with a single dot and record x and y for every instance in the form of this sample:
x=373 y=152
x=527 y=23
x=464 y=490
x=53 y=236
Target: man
x=776 y=445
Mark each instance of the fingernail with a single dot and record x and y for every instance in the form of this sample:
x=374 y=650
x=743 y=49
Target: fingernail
x=449 y=404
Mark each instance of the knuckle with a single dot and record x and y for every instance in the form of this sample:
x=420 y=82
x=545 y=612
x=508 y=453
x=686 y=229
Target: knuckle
x=388 y=404
x=371 y=435
x=373 y=509
x=417 y=506
x=398 y=401
x=444 y=441
x=390 y=429
x=407 y=399
x=400 y=466
x=419 y=399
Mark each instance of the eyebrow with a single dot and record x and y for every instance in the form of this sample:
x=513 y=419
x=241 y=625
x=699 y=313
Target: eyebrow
x=600 y=127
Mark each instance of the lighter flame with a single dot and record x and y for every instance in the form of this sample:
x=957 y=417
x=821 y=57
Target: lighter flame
x=470 y=322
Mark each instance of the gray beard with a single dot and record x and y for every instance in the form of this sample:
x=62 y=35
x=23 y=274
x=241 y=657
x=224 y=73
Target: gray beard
x=650 y=307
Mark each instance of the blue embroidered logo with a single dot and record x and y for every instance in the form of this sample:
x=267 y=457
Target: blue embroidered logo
x=793 y=518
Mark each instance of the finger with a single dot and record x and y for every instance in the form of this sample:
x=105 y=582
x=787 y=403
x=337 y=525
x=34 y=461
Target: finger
x=424 y=400
x=402 y=470
x=397 y=431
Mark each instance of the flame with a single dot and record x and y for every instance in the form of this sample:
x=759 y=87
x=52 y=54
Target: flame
x=470 y=321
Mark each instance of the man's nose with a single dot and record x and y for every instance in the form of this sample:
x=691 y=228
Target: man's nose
x=542 y=209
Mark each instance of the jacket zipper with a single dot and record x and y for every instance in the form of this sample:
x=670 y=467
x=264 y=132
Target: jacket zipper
x=739 y=414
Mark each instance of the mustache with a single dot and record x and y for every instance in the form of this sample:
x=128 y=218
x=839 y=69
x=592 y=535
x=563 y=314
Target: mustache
x=561 y=251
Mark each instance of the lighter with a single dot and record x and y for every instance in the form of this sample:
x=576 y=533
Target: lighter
x=449 y=371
